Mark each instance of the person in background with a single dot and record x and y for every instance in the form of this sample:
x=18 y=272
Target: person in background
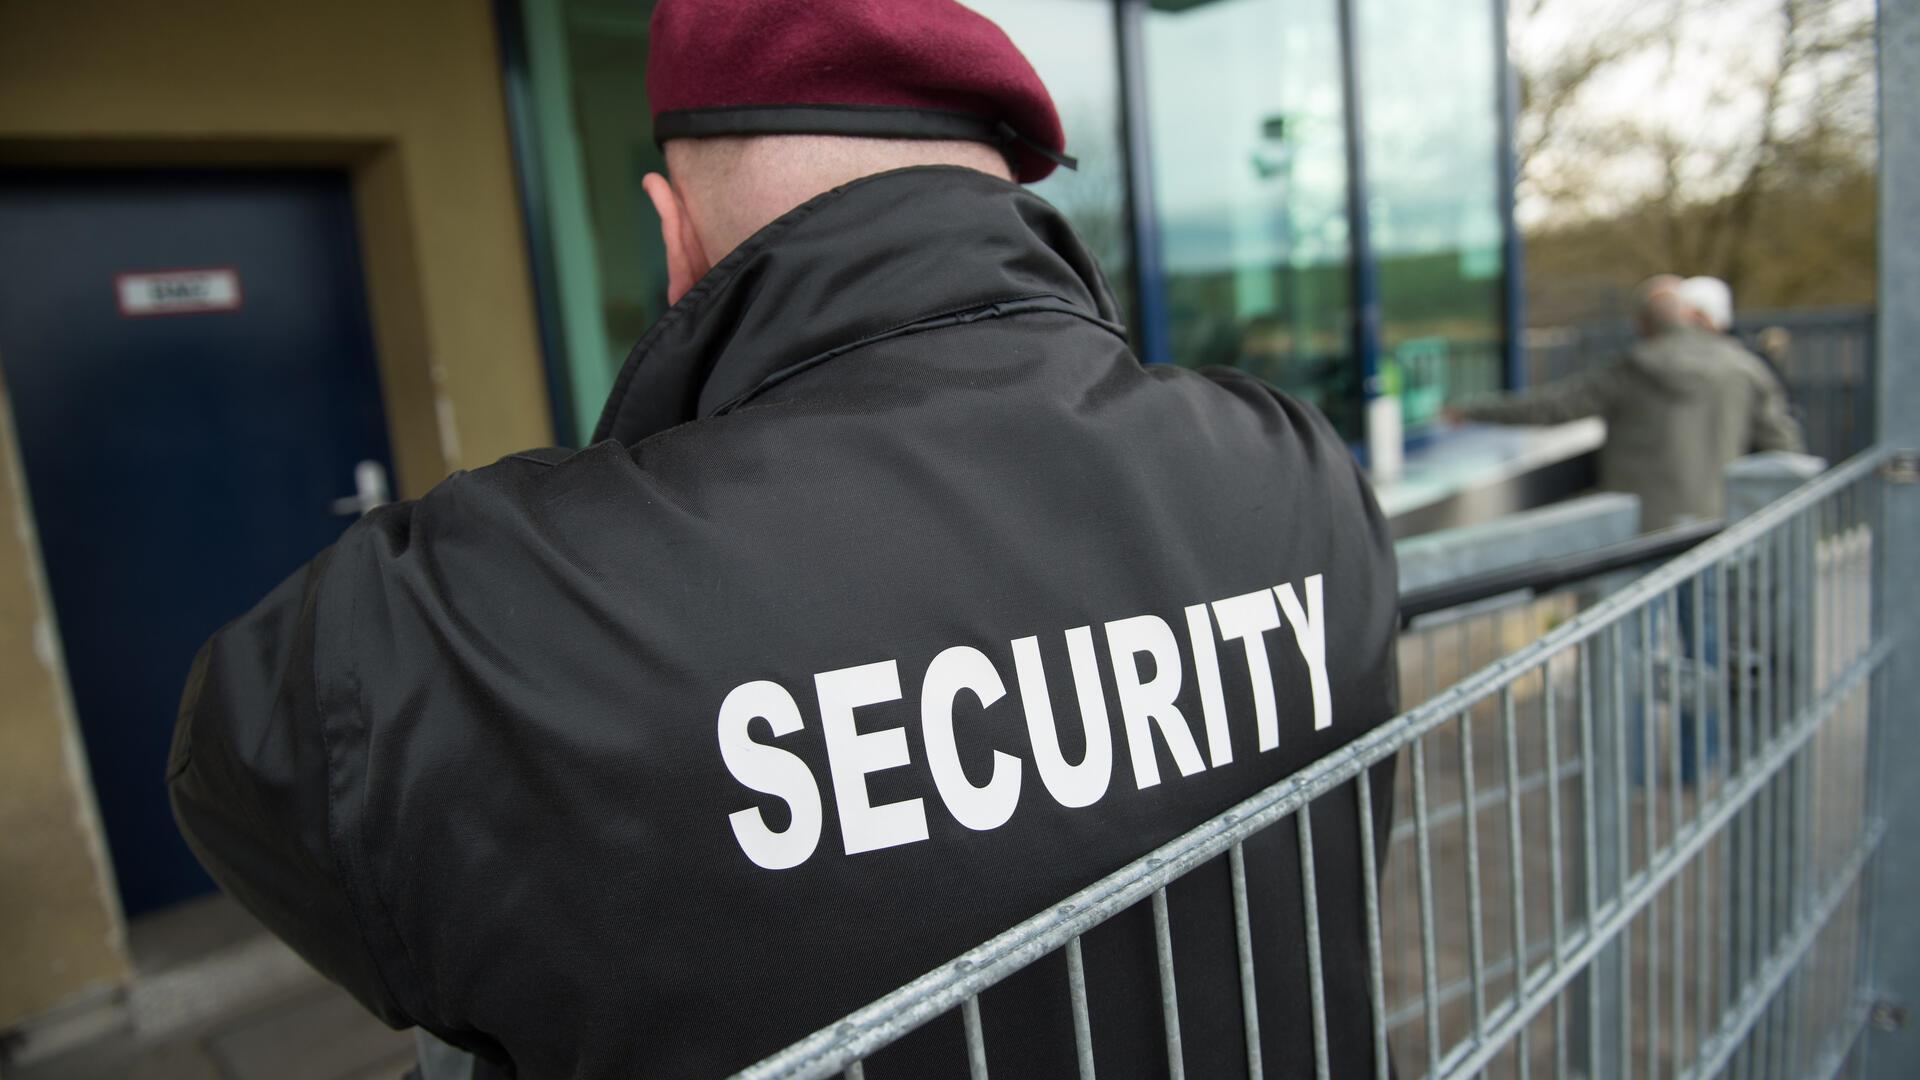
x=1683 y=403
x=1710 y=301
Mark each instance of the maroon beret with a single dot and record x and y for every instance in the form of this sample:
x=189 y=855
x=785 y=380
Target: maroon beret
x=901 y=69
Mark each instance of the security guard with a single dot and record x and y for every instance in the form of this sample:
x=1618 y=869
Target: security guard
x=894 y=601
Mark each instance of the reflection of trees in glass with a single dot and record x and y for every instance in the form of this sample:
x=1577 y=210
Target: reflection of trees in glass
x=1251 y=187
x=1433 y=155
x=1735 y=139
x=1094 y=198
x=1073 y=46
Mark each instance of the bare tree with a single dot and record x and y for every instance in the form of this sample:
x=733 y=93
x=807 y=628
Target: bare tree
x=1609 y=133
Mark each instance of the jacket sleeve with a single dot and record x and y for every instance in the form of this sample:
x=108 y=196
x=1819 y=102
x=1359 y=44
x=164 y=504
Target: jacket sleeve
x=1774 y=427
x=1572 y=398
x=252 y=786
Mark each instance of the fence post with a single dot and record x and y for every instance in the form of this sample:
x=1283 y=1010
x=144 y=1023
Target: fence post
x=1892 y=1049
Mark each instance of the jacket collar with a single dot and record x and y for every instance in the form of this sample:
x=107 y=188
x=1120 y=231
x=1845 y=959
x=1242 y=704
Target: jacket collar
x=862 y=261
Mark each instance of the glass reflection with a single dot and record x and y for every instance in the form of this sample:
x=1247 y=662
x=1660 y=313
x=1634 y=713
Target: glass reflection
x=1074 y=45
x=1429 y=86
x=1250 y=177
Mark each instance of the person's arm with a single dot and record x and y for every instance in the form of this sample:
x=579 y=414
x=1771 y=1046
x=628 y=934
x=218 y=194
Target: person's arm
x=1562 y=401
x=308 y=722
x=1774 y=427
x=251 y=782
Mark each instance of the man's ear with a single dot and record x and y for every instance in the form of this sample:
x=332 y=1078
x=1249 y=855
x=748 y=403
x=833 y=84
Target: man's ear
x=687 y=260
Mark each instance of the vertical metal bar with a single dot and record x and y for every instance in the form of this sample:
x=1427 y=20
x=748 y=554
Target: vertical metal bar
x=1796 y=903
x=1677 y=965
x=1727 y=848
x=1476 y=957
x=976 y=1039
x=1316 y=986
x=1766 y=822
x=1804 y=607
x=1243 y=938
x=1560 y=1036
x=1370 y=887
x=1555 y=844
x=1623 y=832
x=1702 y=972
x=1763 y=651
x=1430 y=988
x=1701 y=677
x=1673 y=719
x=1169 y=1001
x=1650 y=787
x=1590 y=856
x=1892 y=617
x=1515 y=868
x=1622 y=800
x=1077 y=993
x=1556 y=875
x=855 y=1071
x=1782 y=595
x=1676 y=889
x=1743 y=823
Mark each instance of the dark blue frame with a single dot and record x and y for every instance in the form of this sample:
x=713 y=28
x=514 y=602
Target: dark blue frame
x=1513 y=295
x=1364 y=274
x=517 y=88
x=1151 y=321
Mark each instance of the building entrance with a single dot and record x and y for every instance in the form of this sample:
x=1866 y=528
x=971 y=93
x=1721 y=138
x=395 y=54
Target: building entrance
x=193 y=379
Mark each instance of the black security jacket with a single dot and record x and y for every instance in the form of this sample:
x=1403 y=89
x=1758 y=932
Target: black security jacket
x=895 y=601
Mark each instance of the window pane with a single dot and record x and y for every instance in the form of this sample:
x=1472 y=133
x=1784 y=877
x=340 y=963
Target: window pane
x=1074 y=46
x=1433 y=136
x=1250 y=186
x=606 y=49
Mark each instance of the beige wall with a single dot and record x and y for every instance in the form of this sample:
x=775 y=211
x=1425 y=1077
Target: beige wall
x=405 y=95
x=60 y=930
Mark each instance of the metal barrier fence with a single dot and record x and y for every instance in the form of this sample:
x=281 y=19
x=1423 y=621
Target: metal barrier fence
x=1633 y=845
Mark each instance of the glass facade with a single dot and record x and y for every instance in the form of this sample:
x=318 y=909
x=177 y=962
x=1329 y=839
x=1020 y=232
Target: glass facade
x=593 y=139
x=1074 y=45
x=1217 y=186
x=1434 y=195
x=1249 y=162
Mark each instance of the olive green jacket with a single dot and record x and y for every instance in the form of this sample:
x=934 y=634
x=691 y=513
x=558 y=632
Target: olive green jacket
x=1678 y=408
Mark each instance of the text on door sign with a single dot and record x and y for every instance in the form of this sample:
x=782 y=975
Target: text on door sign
x=178 y=292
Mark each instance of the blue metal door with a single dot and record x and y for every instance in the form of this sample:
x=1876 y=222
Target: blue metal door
x=193 y=382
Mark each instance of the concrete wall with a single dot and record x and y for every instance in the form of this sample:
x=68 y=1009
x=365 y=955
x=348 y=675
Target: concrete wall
x=406 y=98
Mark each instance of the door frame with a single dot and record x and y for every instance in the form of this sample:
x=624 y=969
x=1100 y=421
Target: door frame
x=422 y=440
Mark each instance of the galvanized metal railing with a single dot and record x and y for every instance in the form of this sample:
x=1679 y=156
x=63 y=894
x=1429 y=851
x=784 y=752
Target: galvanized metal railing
x=1630 y=846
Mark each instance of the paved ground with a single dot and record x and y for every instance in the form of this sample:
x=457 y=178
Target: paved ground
x=219 y=999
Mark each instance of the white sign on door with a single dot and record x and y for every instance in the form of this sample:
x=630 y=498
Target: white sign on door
x=178 y=292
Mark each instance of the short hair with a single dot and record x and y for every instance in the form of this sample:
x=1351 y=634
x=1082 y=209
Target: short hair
x=1711 y=297
x=734 y=185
